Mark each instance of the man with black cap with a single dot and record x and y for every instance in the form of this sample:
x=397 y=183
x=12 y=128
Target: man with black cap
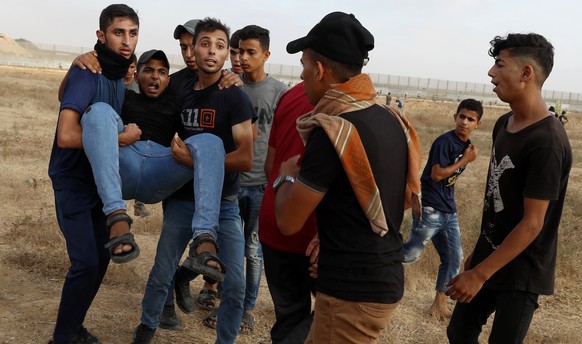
x=353 y=174
x=131 y=153
x=184 y=33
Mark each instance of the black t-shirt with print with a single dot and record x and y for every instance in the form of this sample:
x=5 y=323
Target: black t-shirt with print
x=535 y=163
x=356 y=264
x=215 y=111
x=446 y=150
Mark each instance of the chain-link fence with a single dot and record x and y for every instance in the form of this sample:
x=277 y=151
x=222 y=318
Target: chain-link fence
x=60 y=56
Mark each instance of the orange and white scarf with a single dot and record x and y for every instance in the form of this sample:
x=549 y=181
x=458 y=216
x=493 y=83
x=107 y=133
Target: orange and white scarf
x=356 y=94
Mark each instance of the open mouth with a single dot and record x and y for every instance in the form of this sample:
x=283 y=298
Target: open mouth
x=153 y=87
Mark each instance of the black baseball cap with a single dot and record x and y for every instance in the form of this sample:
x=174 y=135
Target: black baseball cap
x=153 y=54
x=338 y=36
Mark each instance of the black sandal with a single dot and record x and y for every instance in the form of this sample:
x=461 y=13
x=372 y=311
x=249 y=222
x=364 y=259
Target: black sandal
x=211 y=319
x=198 y=262
x=207 y=299
x=126 y=238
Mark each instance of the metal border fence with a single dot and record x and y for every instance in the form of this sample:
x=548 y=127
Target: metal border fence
x=54 y=56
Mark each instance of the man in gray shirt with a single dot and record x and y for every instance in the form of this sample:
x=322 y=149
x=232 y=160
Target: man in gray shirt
x=265 y=92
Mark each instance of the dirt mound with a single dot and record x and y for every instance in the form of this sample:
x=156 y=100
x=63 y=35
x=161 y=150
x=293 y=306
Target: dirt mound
x=10 y=46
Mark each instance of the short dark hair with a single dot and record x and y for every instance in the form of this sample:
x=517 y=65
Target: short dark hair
x=258 y=33
x=526 y=46
x=471 y=105
x=115 y=11
x=133 y=59
x=341 y=70
x=235 y=39
x=211 y=25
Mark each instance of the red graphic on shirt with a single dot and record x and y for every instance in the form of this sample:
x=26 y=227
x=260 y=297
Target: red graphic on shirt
x=207 y=117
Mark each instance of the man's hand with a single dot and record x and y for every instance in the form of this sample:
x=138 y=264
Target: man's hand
x=229 y=79
x=471 y=153
x=180 y=152
x=290 y=167
x=465 y=285
x=313 y=253
x=88 y=60
x=131 y=133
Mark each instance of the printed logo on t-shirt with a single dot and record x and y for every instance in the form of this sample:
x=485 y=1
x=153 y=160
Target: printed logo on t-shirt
x=496 y=171
x=195 y=119
x=207 y=117
x=452 y=180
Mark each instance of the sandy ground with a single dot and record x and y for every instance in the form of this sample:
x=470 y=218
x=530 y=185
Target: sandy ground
x=33 y=258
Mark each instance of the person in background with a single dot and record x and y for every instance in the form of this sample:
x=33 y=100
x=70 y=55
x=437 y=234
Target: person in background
x=449 y=155
x=286 y=264
x=235 y=53
x=129 y=79
x=264 y=92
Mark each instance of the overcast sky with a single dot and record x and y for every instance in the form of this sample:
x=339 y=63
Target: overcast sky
x=445 y=39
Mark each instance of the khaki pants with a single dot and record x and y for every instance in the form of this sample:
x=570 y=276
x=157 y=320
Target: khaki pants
x=339 y=321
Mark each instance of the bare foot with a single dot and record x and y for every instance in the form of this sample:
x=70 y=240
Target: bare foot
x=118 y=229
x=439 y=308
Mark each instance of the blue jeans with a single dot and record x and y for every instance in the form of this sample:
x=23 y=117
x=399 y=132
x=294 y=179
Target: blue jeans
x=249 y=200
x=174 y=238
x=513 y=314
x=443 y=230
x=83 y=225
x=146 y=170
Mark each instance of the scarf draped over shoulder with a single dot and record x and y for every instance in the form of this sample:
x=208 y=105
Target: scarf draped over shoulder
x=356 y=94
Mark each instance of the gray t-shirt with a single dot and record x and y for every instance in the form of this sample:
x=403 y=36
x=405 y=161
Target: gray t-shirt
x=265 y=96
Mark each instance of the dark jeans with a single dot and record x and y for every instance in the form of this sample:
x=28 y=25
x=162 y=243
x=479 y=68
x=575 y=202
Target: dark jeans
x=82 y=222
x=513 y=314
x=291 y=288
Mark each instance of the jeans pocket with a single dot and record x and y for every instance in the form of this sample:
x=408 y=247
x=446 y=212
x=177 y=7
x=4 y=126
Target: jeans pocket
x=428 y=210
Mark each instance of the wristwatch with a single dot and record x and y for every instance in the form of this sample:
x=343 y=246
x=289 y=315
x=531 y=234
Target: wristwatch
x=280 y=180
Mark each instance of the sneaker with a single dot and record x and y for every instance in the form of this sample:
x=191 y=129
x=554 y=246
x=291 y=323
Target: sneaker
x=169 y=320
x=82 y=336
x=143 y=334
x=184 y=298
x=140 y=210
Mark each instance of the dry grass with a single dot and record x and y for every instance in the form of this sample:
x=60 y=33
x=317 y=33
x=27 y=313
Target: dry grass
x=33 y=257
